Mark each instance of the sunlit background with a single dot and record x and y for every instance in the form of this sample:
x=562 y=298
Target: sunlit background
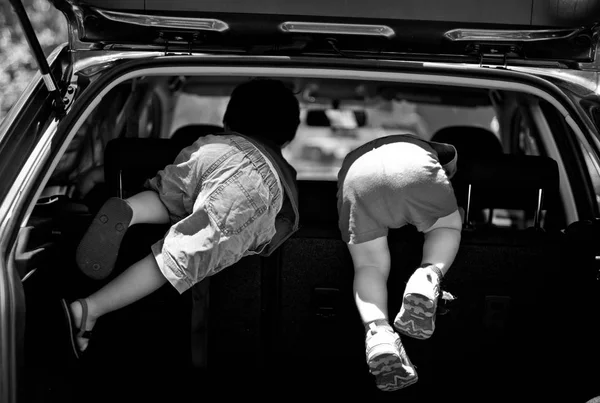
x=17 y=65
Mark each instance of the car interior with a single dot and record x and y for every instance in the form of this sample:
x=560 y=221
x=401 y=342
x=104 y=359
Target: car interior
x=286 y=325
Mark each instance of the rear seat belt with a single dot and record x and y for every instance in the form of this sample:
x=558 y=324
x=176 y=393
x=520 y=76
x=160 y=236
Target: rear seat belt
x=130 y=119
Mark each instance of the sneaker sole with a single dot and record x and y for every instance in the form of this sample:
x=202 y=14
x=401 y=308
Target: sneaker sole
x=390 y=374
x=417 y=317
x=97 y=252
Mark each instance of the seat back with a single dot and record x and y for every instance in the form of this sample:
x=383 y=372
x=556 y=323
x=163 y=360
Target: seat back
x=128 y=162
x=317 y=206
x=506 y=181
x=469 y=141
x=187 y=135
x=497 y=274
x=494 y=272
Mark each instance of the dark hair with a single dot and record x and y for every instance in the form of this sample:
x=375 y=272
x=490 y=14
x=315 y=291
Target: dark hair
x=263 y=108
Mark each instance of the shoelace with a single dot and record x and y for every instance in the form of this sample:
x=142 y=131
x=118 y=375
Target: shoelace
x=446 y=297
x=442 y=309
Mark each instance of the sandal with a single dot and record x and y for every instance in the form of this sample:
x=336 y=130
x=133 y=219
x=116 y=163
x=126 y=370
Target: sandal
x=74 y=330
x=97 y=252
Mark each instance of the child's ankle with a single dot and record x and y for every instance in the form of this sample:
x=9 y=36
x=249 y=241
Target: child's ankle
x=377 y=323
x=430 y=267
x=92 y=312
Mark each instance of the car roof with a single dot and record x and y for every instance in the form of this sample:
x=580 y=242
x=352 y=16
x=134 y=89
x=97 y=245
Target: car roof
x=542 y=34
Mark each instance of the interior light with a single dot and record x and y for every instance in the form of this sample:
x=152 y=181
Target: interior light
x=498 y=35
x=334 y=28
x=204 y=24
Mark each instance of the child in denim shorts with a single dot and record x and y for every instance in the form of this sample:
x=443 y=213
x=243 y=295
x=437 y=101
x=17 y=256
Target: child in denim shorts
x=388 y=183
x=226 y=196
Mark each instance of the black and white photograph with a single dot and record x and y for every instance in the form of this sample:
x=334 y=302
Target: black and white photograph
x=299 y=201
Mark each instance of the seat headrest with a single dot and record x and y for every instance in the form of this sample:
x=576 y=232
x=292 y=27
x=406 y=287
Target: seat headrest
x=510 y=181
x=470 y=141
x=128 y=162
x=187 y=135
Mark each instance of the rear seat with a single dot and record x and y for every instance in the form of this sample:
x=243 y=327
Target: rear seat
x=517 y=182
x=135 y=336
x=472 y=143
x=240 y=297
x=165 y=314
x=130 y=161
x=496 y=272
x=295 y=310
x=501 y=275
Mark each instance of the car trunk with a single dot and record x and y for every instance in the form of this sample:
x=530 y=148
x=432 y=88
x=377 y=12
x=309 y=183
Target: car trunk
x=513 y=32
x=285 y=326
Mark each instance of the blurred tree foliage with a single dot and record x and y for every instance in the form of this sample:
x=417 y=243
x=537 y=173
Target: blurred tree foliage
x=17 y=65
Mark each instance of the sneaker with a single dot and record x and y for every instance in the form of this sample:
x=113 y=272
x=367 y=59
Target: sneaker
x=387 y=359
x=419 y=305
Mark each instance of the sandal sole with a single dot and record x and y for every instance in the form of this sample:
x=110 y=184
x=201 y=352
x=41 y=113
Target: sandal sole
x=69 y=320
x=97 y=252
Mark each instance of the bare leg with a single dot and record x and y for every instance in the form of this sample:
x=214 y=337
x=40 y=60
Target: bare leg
x=371 y=270
x=419 y=304
x=386 y=359
x=372 y=264
x=139 y=280
x=442 y=241
x=147 y=209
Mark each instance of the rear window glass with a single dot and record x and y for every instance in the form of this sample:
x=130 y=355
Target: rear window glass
x=317 y=152
x=330 y=127
x=328 y=133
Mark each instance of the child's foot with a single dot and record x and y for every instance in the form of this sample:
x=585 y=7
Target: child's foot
x=97 y=252
x=387 y=359
x=80 y=323
x=83 y=329
x=417 y=314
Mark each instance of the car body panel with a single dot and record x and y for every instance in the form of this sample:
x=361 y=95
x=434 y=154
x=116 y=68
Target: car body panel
x=516 y=12
x=422 y=36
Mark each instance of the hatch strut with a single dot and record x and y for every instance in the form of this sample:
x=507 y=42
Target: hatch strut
x=38 y=53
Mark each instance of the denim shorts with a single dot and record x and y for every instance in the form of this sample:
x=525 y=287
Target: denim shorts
x=222 y=195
